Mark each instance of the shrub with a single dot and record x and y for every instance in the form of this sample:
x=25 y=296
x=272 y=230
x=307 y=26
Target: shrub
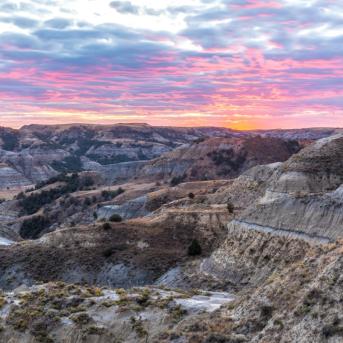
x=116 y=218
x=333 y=329
x=279 y=323
x=177 y=313
x=81 y=319
x=95 y=330
x=138 y=327
x=191 y=195
x=266 y=311
x=87 y=202
x=73 y=181
x=109 y=195
x=108 y=253
x=195 y=248
x=144 y=297
x=32 y=228
x=107 y=226
x=32 y=203
x=230 y=207
x=88 y=182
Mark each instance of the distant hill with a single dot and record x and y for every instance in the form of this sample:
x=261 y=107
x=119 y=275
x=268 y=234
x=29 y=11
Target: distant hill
x=36 y=153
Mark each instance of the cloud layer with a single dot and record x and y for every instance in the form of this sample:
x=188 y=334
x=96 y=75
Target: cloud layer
x=237 y=63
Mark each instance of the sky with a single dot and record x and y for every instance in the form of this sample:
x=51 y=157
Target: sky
x=243 y=64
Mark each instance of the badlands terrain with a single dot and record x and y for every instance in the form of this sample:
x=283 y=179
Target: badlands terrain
x=134 y=233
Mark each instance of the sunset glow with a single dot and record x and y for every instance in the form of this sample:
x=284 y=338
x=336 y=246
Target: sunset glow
x=243 y=64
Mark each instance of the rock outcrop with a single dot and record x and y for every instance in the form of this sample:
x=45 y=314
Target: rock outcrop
x=11 y=178
x=307 y=135
x=304 y=193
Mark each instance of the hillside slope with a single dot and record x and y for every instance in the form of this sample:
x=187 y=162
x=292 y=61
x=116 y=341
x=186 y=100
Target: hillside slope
x=269 y=243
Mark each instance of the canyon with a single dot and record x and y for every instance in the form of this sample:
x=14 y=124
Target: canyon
x=134 y=233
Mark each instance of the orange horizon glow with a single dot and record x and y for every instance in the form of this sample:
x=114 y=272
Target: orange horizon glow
x=246 y=65
x=247 y=125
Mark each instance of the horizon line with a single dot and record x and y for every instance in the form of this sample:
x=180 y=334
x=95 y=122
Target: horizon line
x=165 y=126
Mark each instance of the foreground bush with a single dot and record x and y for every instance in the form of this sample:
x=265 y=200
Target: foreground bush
x=195 y=248
x=116 y=218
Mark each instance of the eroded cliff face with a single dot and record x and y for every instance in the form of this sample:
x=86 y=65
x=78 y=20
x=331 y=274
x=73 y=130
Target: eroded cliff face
x=276 y=224
x=298 y=300
x=245 y=189
x=282 y=257
x=10 y=178
x=30 y=165
x=305 y=193
x=218 y=158
x=306 y=135
x=315 y=169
